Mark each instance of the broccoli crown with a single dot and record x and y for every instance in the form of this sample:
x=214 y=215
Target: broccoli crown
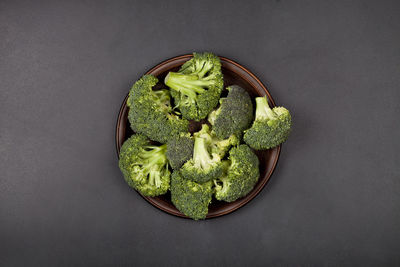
x=179 y=150
x=218 y=146
x=144 y=166
x=270 y=128
x=150 y=112
x=234 y=115
x=197 y=86
x=202 y=167
x=190 y=198
x=241 y=174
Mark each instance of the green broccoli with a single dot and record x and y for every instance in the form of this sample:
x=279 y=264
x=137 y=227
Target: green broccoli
x=234 y=115
x=240 y=176
x=150 y=111
x=208 y=152
x=270 y=128
x=217 y=146
x=179 y=150
x=202 y=167
x=145 y=166
x=190 y=198
x=197 y=87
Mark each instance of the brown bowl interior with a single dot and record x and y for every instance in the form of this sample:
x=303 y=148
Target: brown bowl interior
x=233 y=74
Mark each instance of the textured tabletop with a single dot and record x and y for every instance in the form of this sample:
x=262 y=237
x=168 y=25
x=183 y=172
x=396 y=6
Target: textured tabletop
x=66 y=66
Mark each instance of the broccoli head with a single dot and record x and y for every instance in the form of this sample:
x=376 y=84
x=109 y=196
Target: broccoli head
x=190 y=198
x=179 y=150
x=217 y=146
x=151 y=113
x=234 y=115
x=270 y=128
x=145 y=166
x=197 y=86
x=240 y=175
x=202 y=167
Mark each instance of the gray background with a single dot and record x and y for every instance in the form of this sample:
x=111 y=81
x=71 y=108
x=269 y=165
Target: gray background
x=66 y=66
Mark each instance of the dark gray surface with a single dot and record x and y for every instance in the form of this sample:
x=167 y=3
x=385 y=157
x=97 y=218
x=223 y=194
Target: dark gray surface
x=66 y=66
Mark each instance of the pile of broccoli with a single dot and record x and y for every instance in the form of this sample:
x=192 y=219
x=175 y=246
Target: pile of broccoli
x=217 y=162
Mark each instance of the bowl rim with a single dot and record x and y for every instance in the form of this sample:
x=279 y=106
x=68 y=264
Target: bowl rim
x=244 y=200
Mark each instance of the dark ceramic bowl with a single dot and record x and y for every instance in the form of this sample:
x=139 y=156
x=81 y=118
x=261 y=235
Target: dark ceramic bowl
x=233 y=74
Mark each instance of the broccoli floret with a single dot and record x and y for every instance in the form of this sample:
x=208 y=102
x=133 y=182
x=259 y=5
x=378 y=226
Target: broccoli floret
x=221 y=147
x=151 y=113
x=234 y=115
x=197 y=86
x=217 y=146
x=145 y=166
x=190 y=198
x=179 y=150
x=202 y=167
x=241 y=174
x=208 y=153
x=270 y=128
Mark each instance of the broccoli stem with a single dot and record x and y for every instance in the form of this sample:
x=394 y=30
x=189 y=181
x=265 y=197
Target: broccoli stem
x=212 y=116
x=155 y=178
x=201 y=156
x=155 y=160
x=189 y=85
x=263 y=111
x=152 y=151
x=162 y=99
x=206 y=67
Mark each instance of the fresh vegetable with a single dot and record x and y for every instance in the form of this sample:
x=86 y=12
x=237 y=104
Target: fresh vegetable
x=145 y=166
x=234 y=115
x=208 y=152
x=270 y=128
x=190 y=198
x=203 y=166
x=151 y=113
x=197 y=86
x=208 y=163
x=179 y=150
x=217 y=146
x=241 y=174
